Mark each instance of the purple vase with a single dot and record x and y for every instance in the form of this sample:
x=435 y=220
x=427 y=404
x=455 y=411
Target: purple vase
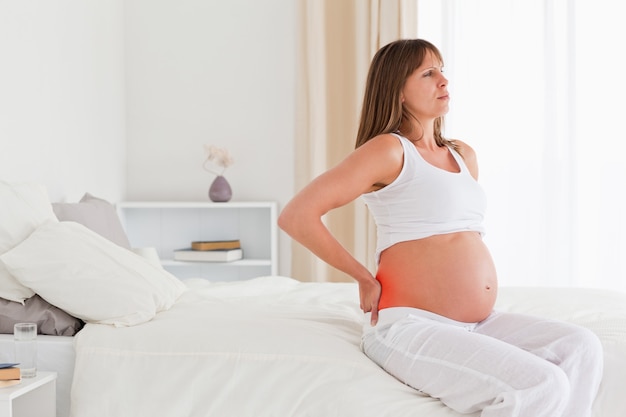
x=220 y=191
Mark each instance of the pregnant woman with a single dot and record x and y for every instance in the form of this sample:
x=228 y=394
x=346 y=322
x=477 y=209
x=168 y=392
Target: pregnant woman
x=430 y=308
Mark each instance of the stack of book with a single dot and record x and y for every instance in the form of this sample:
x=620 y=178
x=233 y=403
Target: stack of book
x=210 y=251
x=9 y=374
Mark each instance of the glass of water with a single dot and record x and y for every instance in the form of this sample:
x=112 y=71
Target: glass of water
x=25 y=336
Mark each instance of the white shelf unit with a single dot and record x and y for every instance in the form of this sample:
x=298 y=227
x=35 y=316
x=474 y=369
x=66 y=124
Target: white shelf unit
x=168 y=226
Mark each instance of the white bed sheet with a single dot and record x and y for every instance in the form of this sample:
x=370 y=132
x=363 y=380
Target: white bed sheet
x=54 y=353
x=277 y=347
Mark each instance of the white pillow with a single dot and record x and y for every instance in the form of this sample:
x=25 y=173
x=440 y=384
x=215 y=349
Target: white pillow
x=23 y=208
x=90 y=277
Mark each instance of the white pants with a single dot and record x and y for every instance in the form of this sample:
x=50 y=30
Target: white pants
x=508 y=365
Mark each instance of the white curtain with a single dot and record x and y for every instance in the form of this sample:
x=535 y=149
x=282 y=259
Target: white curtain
x=337 y=41
x=538 y=88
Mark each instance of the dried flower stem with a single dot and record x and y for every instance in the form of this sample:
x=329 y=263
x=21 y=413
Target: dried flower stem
x=219 y=156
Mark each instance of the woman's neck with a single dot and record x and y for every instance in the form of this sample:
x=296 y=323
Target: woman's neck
x=418 y=132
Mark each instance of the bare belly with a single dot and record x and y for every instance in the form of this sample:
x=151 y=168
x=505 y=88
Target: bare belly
x=452 y=275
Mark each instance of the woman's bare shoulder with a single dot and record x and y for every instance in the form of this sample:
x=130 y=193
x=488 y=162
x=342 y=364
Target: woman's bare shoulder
x=463 y=146
x=384 y=145
x=377 y=161
x=469 y=156
x=384 y=138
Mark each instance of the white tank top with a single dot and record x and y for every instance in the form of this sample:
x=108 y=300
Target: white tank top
x=425 y=200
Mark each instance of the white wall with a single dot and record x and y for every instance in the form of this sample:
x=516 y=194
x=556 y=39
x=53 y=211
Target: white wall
x=62 y=96
x=211 y=72
x=118 y=97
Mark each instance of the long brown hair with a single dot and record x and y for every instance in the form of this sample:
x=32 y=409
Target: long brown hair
x=382 y=110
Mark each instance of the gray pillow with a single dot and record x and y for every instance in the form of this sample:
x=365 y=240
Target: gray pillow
x=96 y=214
x=50 y=320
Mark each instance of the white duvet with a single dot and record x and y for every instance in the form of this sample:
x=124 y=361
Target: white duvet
x=274 y=346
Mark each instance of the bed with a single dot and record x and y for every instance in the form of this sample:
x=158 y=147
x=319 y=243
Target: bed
x=273 y=346
x=154 y=345
x=276 y=346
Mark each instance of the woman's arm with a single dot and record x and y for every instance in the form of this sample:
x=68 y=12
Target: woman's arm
x=379 y=161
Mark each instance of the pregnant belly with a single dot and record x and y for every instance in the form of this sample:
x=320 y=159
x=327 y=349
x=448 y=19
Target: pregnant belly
x=451 y=275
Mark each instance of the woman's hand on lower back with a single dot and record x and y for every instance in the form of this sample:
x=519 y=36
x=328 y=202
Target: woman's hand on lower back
x=369 y=293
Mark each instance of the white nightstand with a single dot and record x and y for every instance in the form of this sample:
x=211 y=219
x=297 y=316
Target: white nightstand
x=32 y=397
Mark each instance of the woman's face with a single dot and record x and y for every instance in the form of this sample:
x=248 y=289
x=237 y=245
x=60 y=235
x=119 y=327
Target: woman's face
x=425 y=92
